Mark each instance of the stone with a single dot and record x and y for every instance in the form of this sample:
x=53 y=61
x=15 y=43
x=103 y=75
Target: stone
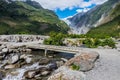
x=5 y=50
x=44 y=61
x=1 y=53
x=23 y=56
x=65 y=73
x=9 y=66
x=2 y=75
x=30 y=74
x=42 y=69
x=28 y=50
x=65 y=60
x=1 y=57
x=85 y=65
x=85 y=60
x=10 y=50
x=3 y=46
x=45 y=73
x=52 y=66
x=15 y=58
x=90 y=56
x=59 y=63
x=14 y=73
x=28 y=60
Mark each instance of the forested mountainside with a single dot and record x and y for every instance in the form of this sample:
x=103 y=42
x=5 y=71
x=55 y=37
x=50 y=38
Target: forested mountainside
x=28 y=17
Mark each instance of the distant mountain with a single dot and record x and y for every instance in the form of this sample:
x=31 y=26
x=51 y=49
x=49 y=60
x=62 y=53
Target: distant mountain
x=28 y=17
x=111 y=28
x=101 y=14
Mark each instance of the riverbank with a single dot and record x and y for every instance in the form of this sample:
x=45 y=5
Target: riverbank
x=94 y=64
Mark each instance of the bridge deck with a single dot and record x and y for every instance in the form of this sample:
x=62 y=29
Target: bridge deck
x=56 y=48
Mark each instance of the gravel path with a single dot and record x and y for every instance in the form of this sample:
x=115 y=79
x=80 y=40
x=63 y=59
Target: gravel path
x=107 y=67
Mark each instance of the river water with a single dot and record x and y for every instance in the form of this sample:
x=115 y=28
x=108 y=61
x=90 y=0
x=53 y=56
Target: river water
x=19 y=72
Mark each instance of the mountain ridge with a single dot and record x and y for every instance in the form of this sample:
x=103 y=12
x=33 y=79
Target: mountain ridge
x=28 y=17
x=94 y=17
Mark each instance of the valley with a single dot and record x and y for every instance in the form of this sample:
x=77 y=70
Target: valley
x=65 y=40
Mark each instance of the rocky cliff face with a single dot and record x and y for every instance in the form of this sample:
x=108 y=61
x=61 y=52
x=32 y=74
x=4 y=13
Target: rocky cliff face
x=83 y=22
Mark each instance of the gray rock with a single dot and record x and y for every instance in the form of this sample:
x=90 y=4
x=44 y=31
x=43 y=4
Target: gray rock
x=28 y=60
x=15 y=58
x=1 y=57
x=28 y=50
x=9 y=66
x=45 y=73
x=59 y=63
x=65 y=73
x=44 y=61
x=52 y=66
x=85 y=65
x=3 y=46
x=65 y=60
x=5 y=50
x=2 y=75
x=30 y=74
x=85 y=60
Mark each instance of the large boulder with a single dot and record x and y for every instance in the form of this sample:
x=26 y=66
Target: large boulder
x=85 y=60
x=44 y=61
x=65 y=73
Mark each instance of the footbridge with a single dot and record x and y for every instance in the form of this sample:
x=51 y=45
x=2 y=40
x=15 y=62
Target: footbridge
x=56 y=48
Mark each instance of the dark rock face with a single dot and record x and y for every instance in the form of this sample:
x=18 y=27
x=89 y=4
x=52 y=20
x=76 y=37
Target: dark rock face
x=85 y=60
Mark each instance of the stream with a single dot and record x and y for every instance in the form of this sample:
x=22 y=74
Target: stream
x=39 y=66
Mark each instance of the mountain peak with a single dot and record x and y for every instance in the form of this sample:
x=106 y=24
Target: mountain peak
x=94 y=17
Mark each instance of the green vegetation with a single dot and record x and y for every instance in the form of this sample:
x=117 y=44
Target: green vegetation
x=109 y=29
x=75 y=67
x=55 y=39
x=58 y=38
x=28 y=17
x=94 y=43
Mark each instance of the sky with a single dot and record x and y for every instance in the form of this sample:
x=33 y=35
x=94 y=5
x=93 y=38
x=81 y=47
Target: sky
x=67 y=8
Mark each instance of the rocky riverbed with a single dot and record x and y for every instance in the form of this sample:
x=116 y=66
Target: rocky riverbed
x=17 y=62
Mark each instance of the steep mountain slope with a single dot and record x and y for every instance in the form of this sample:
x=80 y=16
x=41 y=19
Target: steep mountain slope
x=93 y=18
x=111 y=28
x=28 y=17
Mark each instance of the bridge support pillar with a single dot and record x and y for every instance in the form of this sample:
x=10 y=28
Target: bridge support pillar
x=45 y=52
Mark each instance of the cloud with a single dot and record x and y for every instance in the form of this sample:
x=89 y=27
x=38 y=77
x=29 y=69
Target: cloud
x=63 y=4
x=82 y=10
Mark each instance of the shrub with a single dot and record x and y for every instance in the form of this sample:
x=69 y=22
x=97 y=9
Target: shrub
x=93 y=43
x=110 y=42
x=75 y=67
